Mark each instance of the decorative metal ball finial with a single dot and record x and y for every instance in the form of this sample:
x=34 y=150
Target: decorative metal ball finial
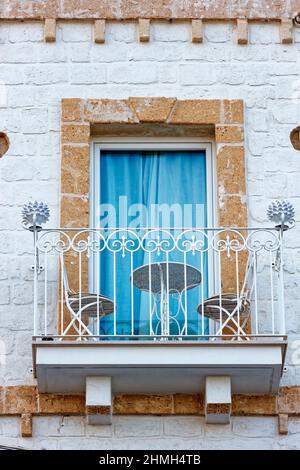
x=34 y=214
x=282 y=213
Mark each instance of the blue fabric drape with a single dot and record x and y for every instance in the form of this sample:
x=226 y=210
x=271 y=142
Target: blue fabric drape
x=128 y=179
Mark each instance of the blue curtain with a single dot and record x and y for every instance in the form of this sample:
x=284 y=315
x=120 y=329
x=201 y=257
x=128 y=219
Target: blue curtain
x=128 y=179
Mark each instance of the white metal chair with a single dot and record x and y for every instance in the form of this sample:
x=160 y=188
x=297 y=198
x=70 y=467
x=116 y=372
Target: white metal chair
x=83 y=306
x=231 y=310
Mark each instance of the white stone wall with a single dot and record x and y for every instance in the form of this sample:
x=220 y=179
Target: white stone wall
x=34 y=76
x=174 y=433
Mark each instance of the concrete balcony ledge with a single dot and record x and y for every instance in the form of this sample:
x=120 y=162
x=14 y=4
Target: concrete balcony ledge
x=157 y=367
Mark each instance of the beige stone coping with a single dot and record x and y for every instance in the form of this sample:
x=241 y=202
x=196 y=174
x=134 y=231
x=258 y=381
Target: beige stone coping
x=157 y=9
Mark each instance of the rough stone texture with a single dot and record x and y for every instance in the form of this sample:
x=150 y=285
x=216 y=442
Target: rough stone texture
x=35 y=76
x=71 y=110
x=231 y=170
x=61 y=404
x=73 y=179
x=75 y=133
x=152 y=109
x=196 y=112
x=162 y=9
x=188 y=404
x=254 y=405
x=228 y=133
x=109 y=111
x=218 y=409
x=233 y=111
x=289 y=400
x=16 y=400
x=143 y=404
x=78 y=208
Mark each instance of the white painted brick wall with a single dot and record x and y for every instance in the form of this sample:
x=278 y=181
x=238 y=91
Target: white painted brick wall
x=34 y=76
x=173 y=433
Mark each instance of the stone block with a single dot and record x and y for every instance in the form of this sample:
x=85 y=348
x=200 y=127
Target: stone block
x=26 y=425
x=152 y=109
x=137 y=426
x=183 y=426
x=283 y=423
x=197 y=31
x=217 y=399
x=144 y=30
x=99 y=31
x=242 y=31
x=143 y=404
x=286 y=31
x=50 y=30
x=98 y=400
x=75 y=133
x=71 y=109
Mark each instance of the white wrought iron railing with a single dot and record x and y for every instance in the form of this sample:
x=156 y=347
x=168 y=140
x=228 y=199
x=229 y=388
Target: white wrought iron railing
x=158 y=283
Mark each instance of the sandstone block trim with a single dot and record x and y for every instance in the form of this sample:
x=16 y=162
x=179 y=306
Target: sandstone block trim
x=24 y=401
x=226 y=116
x=133 y=10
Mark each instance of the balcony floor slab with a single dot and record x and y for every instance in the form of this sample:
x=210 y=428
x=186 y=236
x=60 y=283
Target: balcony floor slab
x=157 y=367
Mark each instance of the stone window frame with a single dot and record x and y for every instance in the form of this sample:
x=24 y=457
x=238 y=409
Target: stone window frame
x=83 y=119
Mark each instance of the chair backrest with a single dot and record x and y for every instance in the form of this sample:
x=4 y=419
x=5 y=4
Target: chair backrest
x=248 y=283
x=64 y=274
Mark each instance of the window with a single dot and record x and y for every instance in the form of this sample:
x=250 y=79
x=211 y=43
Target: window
x=151 y=191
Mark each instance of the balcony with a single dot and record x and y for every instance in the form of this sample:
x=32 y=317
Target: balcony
x=158 y=310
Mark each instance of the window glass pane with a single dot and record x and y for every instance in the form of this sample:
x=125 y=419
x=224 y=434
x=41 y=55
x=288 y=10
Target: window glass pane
x=140 y=190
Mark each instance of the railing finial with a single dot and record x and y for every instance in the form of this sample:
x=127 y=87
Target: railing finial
x=282 y=212
x=34 y=214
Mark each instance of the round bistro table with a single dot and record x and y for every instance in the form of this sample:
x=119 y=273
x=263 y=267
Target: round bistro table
x=164 y=279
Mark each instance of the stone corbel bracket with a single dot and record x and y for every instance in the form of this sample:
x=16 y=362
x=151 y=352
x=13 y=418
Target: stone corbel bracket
x=197 y=29
x=218 y=399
